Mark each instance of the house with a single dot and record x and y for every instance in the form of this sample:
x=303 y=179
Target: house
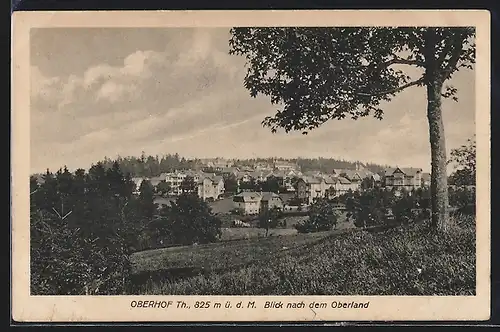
x=155 y=181
x=310 y=187
x=174 y=180
x=344 y=185
x=270 y=200
x=263 y=166
x=244 y=177
x=407 y=178
x=285 y=166
x=251 y=203
x=219 y=164
x=259 y=176
x=138 y=181
x=210 y=187
x=247 y=203
x=227 y=171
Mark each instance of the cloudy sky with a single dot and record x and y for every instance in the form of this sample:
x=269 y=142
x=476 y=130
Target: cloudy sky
x=108 y=92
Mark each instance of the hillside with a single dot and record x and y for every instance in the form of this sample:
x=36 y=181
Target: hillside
x=401 y=261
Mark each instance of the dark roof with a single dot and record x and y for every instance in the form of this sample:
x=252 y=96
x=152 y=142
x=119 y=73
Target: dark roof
x=406 y=170
x=343 y=180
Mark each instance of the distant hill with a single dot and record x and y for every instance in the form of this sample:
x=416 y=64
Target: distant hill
x=150 y=166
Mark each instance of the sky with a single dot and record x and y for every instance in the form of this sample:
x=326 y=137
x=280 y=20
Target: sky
x=99 y=92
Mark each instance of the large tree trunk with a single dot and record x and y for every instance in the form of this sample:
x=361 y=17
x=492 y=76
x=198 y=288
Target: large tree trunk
x=439 y=180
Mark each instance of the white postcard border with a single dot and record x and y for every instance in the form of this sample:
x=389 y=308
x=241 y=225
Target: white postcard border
x=119 y=308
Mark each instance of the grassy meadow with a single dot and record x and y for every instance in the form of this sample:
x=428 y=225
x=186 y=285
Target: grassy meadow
x=400 y=261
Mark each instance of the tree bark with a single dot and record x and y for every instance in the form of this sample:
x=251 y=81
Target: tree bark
x=439 y=180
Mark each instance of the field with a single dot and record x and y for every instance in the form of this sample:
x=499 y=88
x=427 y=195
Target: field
x=400 y=261
x=220 y=255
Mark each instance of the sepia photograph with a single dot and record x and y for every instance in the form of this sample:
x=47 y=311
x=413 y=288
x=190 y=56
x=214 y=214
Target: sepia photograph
x=271 y=162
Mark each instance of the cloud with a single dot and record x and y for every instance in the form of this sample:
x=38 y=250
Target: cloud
x=187 y=96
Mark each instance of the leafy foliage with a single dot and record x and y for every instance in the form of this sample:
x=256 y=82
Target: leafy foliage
x=188 y=185
x=163 y=188
x=231 y=184
x=337 y=72
x=320 y=74
x=79 y=232
x=464 y=162
x=464 y=198
x=322 y=217
x=269 y=218
x=190 y=220
x=84 y=226
x=379 y=206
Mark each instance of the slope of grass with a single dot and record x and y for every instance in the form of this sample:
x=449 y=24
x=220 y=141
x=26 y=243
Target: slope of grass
x=219 y=255
x=402 y=261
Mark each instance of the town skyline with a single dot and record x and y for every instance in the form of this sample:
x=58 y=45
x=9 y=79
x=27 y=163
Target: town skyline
x=109 y=92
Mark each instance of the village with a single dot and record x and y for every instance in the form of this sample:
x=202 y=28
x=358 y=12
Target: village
x=279 y=184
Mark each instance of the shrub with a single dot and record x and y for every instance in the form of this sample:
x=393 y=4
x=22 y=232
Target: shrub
x=463 y=198
x=270 y=218
x=322 y=217
x=83 y=227
x=401 y=261
x=190 y=220
x=64 y=261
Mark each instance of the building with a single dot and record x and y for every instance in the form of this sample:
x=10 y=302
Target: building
x=263 y=166
x=230 y=171
x=270 y=200
x=247 y=203
x=340 y=185
x=252 y=203
x=244 y=177
x=407 y=178
x=358 y=174
x=285 y=166
x=138 y=181
x=155 y=181
x=311 y=187
x=174 y=180
x=218 y=163
x=210 y=187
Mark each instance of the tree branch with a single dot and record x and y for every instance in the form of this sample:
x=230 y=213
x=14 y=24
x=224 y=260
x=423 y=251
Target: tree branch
x=401 y=61
x=395 y=60
x=400 y=88
x=457 y=51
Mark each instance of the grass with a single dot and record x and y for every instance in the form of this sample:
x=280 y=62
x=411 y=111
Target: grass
x=221 y=255
x=401 y=261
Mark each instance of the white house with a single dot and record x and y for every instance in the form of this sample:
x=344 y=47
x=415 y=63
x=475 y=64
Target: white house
x=251 y=203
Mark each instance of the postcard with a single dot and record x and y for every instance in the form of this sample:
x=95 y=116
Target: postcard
x=231 y=166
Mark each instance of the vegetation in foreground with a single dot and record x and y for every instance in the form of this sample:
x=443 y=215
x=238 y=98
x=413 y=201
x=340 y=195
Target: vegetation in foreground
x=401 y=261
x=85 y=226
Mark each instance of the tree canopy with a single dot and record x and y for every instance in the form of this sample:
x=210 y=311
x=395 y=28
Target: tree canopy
x=318 y=74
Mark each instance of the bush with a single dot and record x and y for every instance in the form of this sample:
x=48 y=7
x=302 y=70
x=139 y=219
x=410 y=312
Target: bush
x=463 y=198
x=64 y=261
x=322 y=217
x=190 y=220
x=83 y=228
x=401 y=261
